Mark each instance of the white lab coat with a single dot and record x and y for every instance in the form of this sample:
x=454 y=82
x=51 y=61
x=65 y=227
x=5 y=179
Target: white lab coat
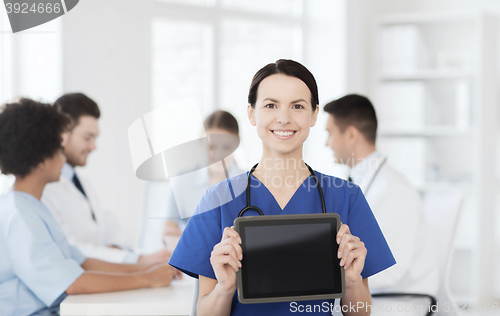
x=71 y=209
x=397 y=207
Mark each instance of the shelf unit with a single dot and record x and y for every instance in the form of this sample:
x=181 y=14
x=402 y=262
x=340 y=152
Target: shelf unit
x=429 y=74
x=433 y=81
x=429 y=131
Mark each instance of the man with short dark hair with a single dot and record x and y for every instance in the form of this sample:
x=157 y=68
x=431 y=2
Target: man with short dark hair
x=94 y=230
x=352 y=129
x=38 y=267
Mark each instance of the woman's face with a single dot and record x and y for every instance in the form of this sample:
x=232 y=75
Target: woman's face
x=283 y=113
x=221 y=146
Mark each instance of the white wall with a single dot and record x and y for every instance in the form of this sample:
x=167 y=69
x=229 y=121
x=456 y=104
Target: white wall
x=107 y=56
x=30 y=66
x=325 y=57
x=30 y=61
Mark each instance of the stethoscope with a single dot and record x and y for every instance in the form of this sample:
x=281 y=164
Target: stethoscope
x=252 y=207
x=375 y=175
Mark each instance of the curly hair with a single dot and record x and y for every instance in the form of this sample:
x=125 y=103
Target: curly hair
x=30 y=132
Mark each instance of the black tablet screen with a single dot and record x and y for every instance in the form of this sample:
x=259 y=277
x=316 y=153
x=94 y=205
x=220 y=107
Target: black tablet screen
x=290 y=258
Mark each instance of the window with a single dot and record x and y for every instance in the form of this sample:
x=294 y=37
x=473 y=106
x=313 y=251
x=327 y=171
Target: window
x=212 y=49
x=283 y=7
x=27 y=70
x=194 y=2
x=180 y=65
x=6 y=57
x=6 y=78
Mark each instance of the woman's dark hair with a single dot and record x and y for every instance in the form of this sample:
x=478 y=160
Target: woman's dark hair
x=223 y=120
x=289 y=68
x=30 y=132
x=356 y=110
x=77 y=105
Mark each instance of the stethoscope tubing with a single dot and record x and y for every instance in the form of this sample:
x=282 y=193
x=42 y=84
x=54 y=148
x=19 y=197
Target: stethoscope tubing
x=252 y=207
x=375 y=175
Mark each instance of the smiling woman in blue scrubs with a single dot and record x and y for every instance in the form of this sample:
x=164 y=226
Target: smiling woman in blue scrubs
x=283 y=106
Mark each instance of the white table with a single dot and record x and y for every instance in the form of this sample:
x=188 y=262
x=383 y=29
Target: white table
x=172 y=300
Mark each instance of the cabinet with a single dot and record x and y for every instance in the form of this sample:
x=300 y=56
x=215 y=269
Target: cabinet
x=433 y=78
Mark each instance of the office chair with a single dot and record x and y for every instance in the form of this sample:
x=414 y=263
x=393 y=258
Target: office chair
x=196 y=294
x=442 y=210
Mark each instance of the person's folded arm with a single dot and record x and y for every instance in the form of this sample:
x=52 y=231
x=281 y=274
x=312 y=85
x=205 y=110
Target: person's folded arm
x=91 y=264
x=101 y=252
x=99 y=282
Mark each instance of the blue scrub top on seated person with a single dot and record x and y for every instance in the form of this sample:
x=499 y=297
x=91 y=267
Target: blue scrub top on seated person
x=217 y=210
x=37 y=264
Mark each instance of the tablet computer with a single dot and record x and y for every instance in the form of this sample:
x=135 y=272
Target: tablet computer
x=289 y=258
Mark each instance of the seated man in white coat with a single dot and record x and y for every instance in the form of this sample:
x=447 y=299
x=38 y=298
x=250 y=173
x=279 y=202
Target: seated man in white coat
x=74 y=203
x=352 y=129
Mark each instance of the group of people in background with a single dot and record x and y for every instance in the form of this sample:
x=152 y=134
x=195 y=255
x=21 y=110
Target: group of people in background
x=57 y=239
x=43 y=255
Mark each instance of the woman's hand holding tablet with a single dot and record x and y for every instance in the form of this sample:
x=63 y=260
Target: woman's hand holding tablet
x=289 y=258
x=225 y=259
x=352 y=252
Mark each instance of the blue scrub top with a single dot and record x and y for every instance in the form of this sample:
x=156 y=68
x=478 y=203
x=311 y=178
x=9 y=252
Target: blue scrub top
x=218 y=209
x=37 y=264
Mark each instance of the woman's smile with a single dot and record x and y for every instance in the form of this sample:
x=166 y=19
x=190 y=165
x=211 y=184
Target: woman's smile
x=283 y=134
